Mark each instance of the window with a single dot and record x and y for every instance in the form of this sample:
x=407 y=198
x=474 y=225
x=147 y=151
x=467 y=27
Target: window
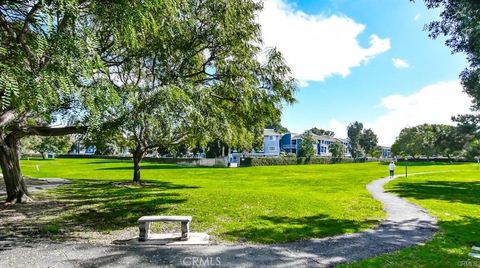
x=272 y=148
x=272 y=138
x=294 y=142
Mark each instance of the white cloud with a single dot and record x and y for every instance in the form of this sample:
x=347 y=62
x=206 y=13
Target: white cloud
x=337 y=127
x=316 y=46
x=417 y=17
x=434 y=104
x=400 y=63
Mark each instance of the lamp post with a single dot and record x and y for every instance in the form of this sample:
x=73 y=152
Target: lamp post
x=406 y=166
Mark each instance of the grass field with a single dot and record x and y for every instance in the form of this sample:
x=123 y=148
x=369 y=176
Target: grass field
x=257 y=204
x=454 y=198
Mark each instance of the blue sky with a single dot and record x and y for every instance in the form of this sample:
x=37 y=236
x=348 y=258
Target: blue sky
x=343 y=53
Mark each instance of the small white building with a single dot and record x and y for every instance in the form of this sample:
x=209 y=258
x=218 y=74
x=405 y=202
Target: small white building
x=271 y=144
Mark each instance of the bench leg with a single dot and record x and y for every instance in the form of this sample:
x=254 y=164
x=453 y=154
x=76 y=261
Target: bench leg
x=144 y=231
x=185 y=230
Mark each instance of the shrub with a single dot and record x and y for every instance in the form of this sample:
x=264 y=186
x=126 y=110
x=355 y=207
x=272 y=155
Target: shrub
x=274 y=161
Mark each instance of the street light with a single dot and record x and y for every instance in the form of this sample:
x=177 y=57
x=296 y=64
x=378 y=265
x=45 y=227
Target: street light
x=406 y=166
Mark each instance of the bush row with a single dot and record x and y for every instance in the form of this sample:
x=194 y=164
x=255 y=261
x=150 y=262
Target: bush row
x=273 y=161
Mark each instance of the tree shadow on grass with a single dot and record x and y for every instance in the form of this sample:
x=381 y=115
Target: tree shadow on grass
x=463 y=192
x=402 y=163
x=273 y=229
x=88 y=206
x=151 y=166
x=117 y=161
x=109 y=206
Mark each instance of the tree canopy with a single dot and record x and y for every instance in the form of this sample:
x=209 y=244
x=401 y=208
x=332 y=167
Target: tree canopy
x=202 y=75
x=337 y=149
x=368 y=141
x=354 y=132
x=154 y=72
x=47 y=54
x=460 y=24
x=44 y=145
x=322 y=132
x=429 y=140
x=307 y=145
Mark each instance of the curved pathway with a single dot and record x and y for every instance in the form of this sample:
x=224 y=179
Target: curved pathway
x=406 y=225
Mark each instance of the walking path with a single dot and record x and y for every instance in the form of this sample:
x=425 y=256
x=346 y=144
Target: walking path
x=406 y=225
x=34 y=185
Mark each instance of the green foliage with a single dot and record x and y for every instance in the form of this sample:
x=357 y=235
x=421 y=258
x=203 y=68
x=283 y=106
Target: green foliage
x=460 y=24
x=449 y=141
x=473 y=149
x=321 y=132
x=368 y=141
x=195 y=78
x=429 y=140
x=47 y=144
x=354 y=132
x=307 y=145
x=337 y=149
x=376 y=152
x=362 y=141
x=46 y=51
x=287 y=160
x=277 y=127
x=257 y=204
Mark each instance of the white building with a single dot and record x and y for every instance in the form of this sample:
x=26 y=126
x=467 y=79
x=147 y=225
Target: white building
x=271 y=144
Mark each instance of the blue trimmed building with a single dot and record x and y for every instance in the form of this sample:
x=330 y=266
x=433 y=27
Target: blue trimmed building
x=290 y=143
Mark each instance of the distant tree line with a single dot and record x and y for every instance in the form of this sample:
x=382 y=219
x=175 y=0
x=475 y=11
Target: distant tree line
x=362 y=142
x=433 y=140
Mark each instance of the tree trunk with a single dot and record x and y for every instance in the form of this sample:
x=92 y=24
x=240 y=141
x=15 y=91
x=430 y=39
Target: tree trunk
x=137 y=158
x=43 y=155
x=12 y=174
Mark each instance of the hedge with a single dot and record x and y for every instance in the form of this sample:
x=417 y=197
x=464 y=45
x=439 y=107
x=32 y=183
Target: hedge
x=274 y=161
x=210 y=162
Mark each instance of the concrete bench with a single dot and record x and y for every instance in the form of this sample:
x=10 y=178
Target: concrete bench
x=144 y=225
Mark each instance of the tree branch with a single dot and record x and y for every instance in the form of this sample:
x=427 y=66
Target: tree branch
x=47 y=131
x=30 y=16
x=7 y=117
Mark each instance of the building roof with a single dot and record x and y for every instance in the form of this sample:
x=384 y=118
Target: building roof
x=270 y=132
x=296 y=136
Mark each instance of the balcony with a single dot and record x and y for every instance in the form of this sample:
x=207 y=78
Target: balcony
x=289 y=146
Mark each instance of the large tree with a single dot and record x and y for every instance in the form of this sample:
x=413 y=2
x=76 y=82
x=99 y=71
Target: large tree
x=337 y=149
x=307 y=145
x=42 y=54
x=430 y=140
x=50 y=52
x=368 y=141
x=460 y=24
x=354 y=132
x=200 y=75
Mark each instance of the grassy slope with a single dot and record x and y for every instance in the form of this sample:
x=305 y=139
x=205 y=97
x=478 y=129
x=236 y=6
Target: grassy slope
x=258 y=204
x=454 y=198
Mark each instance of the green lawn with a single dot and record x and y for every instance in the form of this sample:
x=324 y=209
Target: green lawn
x=454 y=198
x=257 y=204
